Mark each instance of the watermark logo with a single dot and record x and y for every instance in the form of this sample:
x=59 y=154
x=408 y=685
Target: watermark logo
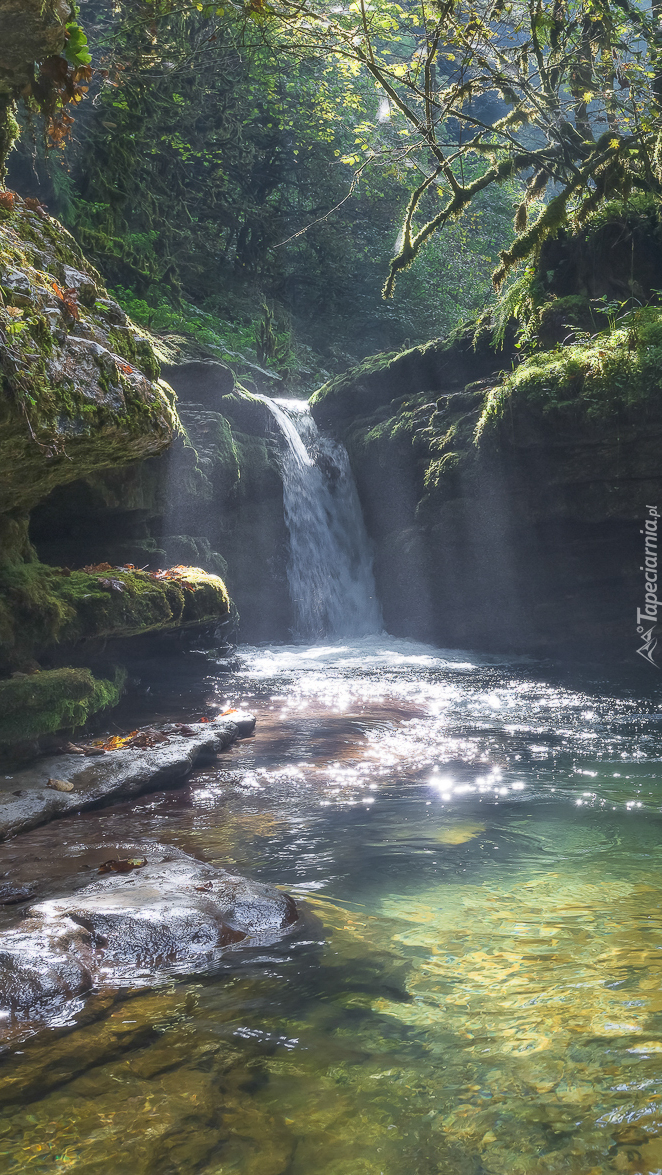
x=647 y=616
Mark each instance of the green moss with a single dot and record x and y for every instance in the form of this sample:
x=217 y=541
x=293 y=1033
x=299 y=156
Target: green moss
x=9 y=130
x=639 y=205
x=442 y=365
x=58 y=699
x=603 y=378
x=136 y=348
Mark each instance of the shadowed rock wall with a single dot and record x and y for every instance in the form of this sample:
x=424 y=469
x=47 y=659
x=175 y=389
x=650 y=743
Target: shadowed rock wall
x=524 y=536
x=214 y=500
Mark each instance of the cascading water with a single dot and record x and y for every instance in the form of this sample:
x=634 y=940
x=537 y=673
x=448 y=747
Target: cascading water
x=330 y=576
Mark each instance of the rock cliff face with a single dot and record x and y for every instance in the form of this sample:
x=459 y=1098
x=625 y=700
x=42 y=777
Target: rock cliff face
x=32 y=30
x=506 y=511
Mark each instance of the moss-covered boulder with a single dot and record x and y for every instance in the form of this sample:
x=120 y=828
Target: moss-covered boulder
x=44 y=609
x=79 y=384
x=85 y=418
x=468 y=354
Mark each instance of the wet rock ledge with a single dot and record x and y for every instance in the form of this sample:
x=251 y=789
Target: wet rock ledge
x=27 y=800
x=134 y=914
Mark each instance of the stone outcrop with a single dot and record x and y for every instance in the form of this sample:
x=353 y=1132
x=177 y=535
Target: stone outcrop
x=80 y=398
x=27 y=800
x=506 y=511
x=31 y=31
x=43 y=702
x=153 y=912
x=80 y=384
x=214 y=499
x=46 y=611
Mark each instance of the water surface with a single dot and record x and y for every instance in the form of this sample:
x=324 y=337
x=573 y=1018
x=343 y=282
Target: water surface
x=477 y=987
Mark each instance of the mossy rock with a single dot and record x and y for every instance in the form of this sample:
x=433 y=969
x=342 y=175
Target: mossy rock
x=442 y=365
x=606 y=380
x=42 y=607
x=615 y=254
x=57 y=699
x=79 y=387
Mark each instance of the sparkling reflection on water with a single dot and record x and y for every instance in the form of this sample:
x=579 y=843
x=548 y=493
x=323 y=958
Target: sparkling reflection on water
x=479 y=986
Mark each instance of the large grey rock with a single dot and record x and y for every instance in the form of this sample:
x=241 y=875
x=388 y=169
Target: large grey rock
x=200 y=379
x=172 y=915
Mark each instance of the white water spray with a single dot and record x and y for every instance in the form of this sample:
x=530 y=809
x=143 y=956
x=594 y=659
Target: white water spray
x=329 y=570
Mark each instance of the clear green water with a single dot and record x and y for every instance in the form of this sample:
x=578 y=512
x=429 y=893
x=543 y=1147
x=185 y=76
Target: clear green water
x=478 y=986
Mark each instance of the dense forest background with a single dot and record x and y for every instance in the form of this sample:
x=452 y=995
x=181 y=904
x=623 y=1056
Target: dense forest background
x=247 y=197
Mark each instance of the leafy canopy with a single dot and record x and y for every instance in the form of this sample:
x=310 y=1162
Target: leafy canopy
x=566 y=96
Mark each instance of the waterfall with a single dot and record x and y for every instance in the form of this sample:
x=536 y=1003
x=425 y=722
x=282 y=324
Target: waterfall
x=329 y=569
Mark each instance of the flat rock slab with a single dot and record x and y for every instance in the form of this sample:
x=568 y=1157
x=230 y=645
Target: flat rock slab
x=169 y=914
x=26 y=800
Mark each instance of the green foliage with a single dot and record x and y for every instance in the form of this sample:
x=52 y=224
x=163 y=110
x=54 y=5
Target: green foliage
x=214 y=172
x=269 y=348
x=76 y=49
x=571 y=96
x=238 y=345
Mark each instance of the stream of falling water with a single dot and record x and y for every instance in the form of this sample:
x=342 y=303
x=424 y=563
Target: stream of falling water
x=478 y=987
x=329 y=569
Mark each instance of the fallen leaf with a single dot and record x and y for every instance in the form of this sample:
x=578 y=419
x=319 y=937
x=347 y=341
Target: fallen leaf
x=60 y=785
x=126 y=865
x=72 y=749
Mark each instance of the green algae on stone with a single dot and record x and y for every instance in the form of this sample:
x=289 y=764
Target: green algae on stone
x=56 y=699
x=439 y=366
